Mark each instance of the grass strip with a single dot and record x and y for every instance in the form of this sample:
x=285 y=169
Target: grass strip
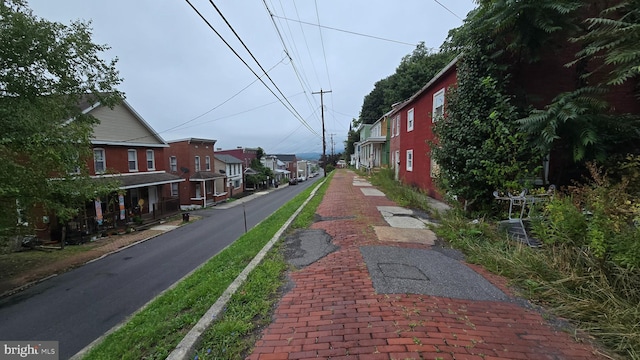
x=154 y=332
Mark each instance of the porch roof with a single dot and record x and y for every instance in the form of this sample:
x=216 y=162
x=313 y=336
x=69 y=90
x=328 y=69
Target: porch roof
x=130 y=181
x=374 y=140
x=205 y=175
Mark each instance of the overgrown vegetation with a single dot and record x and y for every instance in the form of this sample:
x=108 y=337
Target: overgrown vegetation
x=47 y=69
x=587 y=270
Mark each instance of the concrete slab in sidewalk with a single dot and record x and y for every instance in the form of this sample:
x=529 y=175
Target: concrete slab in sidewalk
x=371 y=192
x=164 y=227
x=419 y=236
x=395 y=270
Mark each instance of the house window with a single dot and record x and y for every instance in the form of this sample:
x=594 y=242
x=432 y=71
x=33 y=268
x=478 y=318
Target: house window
x=133 y=160
x=438 y=105
x=393 y=127
x=173 y=164
x=398 y=125
x=410 y=120
x=236 y=184
x=151 y=162
x=99 y=161
x=174 y=189
x=409 y=160
x=207 y=163
x=197 y=163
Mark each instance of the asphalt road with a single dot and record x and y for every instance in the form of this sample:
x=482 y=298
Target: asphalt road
x=77 y=307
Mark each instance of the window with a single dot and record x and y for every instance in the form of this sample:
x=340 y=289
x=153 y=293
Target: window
x=236 y=184
x=174 y=189
x=438 y=105
x=197 y=163
x=151 y=162
x=99 y=161
x=173 y=164
x=398 y=125
x=207 y=163
x=393 y=127
x=409 y=160
x=133 y=160
x=410 y=120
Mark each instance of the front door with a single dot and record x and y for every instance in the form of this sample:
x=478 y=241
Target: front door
x=153 y=197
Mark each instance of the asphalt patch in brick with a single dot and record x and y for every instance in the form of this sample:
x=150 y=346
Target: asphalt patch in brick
x=426 y=272
x=304 y=247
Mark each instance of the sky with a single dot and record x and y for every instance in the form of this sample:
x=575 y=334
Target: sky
x=188 y=77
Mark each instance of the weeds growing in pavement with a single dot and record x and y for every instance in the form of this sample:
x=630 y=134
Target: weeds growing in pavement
x=578 y=274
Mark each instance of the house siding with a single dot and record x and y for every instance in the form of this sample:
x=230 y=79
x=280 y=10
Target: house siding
x=120 y=124
x=419 y=139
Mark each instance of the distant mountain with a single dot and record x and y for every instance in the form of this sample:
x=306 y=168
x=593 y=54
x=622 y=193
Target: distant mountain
x=309 y=156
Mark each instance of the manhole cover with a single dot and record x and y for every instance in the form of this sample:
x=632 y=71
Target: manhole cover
x=402 y=271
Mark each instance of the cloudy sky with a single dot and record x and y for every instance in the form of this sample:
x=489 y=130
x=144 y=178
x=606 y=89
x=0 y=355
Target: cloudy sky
x=186 y=81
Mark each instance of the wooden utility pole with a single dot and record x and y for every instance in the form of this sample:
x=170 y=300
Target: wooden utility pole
x=324 y=142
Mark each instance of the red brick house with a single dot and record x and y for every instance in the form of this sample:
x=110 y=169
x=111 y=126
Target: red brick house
x=127 y=150
x=193 y=160
x=411 y=131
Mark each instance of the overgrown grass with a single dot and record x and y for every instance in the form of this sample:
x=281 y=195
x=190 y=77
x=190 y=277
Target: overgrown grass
x=155 y=331
x=235 y=333
x=566 y=281
x=402 y=195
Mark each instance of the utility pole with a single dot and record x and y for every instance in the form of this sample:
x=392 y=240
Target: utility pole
x=333 y=146
x=324 y=142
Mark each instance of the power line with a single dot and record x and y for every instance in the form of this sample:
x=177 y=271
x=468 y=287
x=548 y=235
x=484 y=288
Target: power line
x=346 y=31
x=446 y=8
x=249 y=67
x=300 y=118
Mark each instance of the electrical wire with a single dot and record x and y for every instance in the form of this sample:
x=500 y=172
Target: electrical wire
x=298 y=116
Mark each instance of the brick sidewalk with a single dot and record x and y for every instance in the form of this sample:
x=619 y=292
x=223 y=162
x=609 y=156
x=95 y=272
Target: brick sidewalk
x=333 y=311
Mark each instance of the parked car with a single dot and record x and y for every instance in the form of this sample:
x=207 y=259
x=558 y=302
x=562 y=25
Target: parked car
x=293 y=181
x=302 y=178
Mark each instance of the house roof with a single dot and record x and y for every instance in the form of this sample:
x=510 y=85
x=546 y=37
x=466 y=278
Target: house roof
x=285 y=157
x=130 y=181
x=205 y=175
x=195 y=140
x=442 y=72
x=228 y=159
x=250 y=171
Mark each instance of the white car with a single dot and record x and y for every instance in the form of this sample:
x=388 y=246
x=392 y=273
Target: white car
x=302 y=178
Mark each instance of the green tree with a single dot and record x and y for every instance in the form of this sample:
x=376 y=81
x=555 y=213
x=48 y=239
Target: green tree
x=46 y=70
x=414 y=71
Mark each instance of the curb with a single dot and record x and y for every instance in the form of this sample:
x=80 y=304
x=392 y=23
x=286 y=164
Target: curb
x=185 y=349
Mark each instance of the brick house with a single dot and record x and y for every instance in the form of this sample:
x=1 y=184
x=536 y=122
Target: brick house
x=192 y=159
x=126 y=150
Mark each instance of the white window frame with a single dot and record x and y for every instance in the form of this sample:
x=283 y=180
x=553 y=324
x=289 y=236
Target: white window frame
x=438 y=105
x=410 y=119
x=197 y=165
x=173 y=164
x=398 y=125
x=175 y=190
x=151 y=160
x=207 y=163
x=410 y=160
x=393 y=127
x=102 y=161
x=132 y=160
